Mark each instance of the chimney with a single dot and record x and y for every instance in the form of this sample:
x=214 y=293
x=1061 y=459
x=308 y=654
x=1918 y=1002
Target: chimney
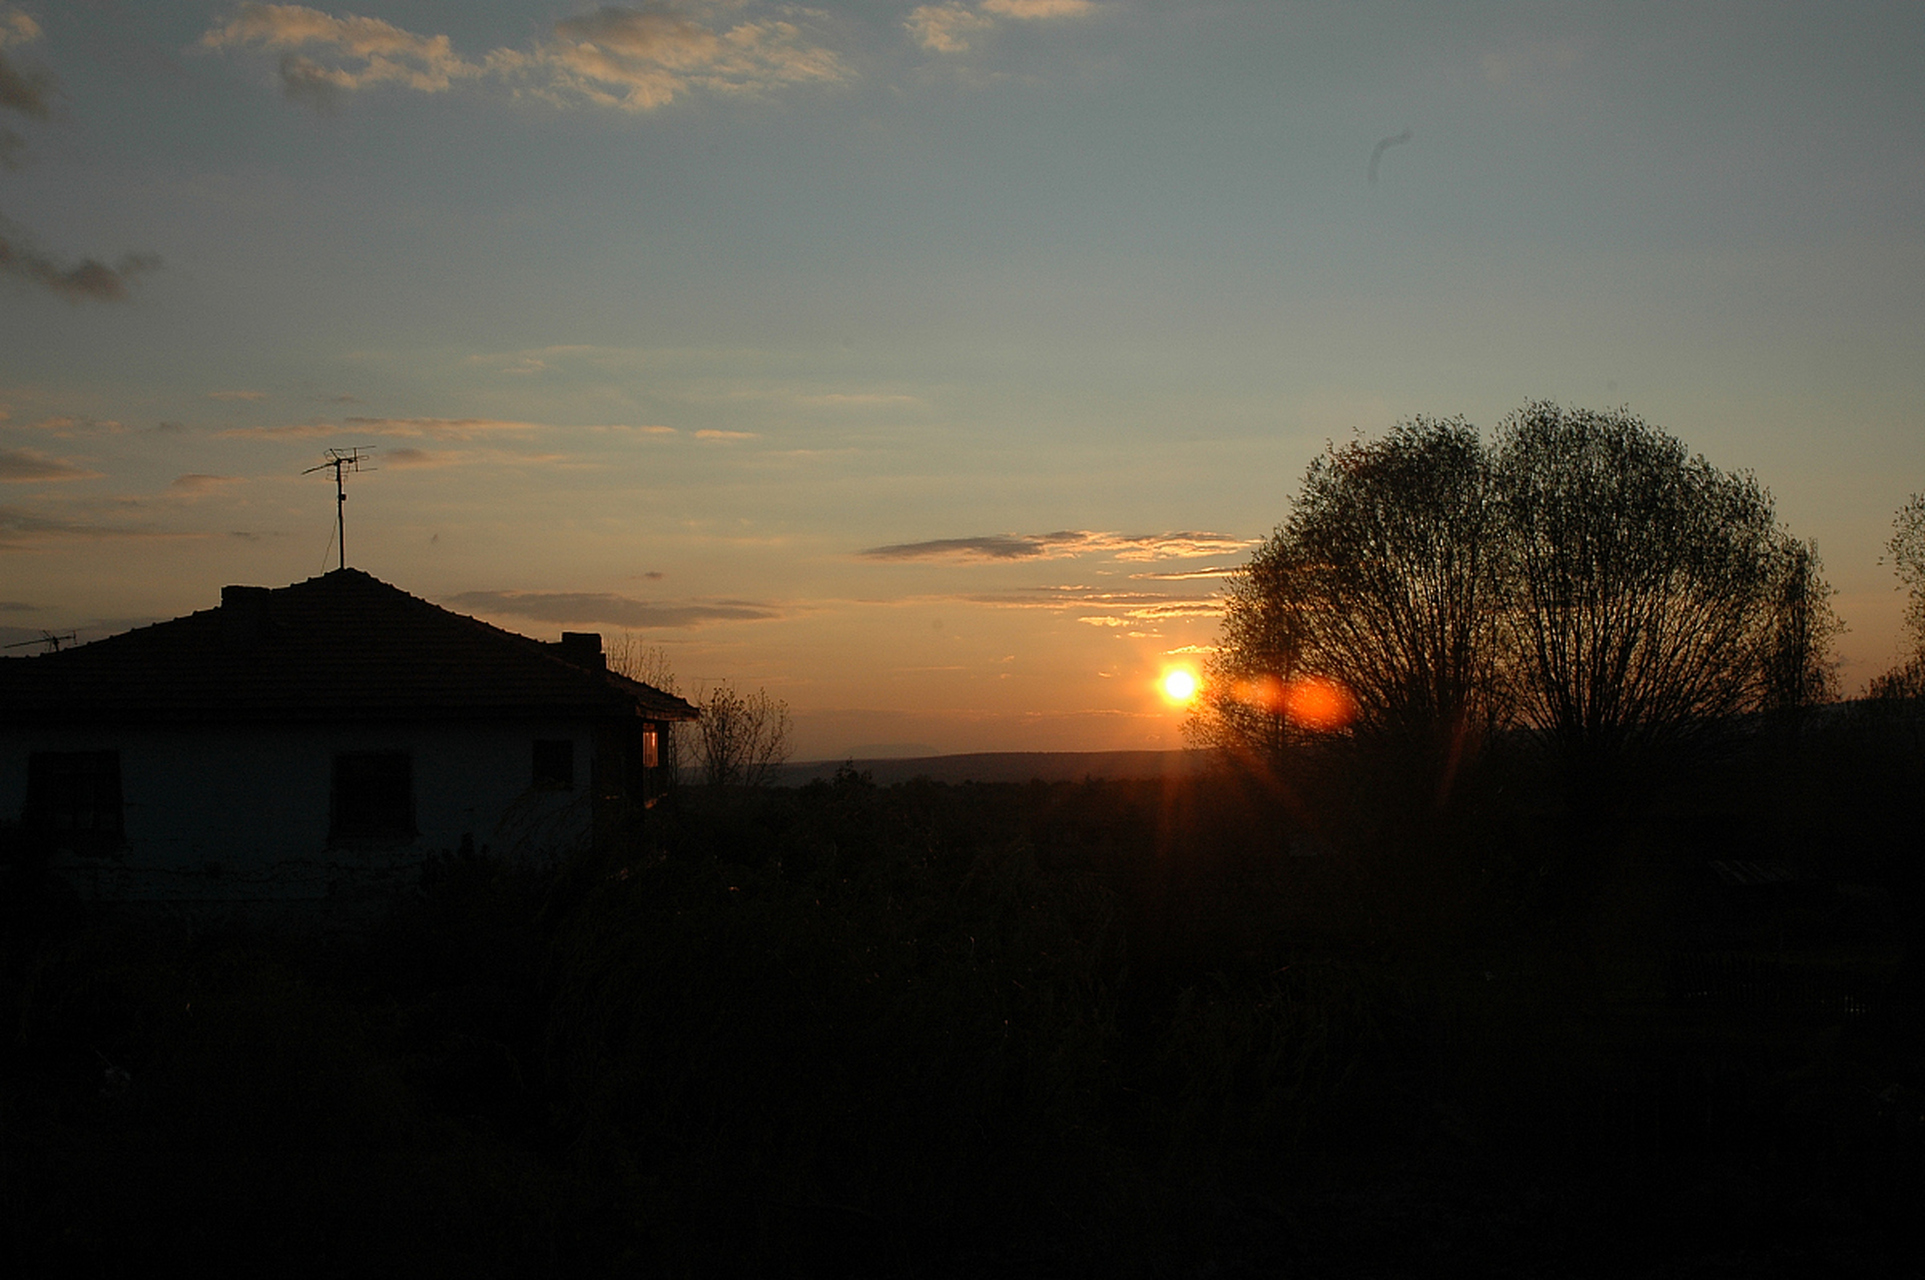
x=243 y=616
x=584 y=649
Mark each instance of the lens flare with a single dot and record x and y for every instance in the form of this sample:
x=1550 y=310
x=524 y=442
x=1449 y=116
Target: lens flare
x=1309 y=702
x=1319 y=704
x=1178 y=684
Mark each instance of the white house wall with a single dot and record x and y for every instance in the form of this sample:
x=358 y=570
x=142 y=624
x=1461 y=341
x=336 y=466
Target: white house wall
x=242 y=812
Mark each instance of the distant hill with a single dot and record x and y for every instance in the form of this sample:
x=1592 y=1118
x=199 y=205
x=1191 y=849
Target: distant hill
x=1007 y=766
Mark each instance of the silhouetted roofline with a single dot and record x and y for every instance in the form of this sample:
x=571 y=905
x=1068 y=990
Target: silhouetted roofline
x=341 y=647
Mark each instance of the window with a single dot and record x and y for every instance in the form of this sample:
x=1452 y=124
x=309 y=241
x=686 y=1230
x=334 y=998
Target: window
x=554 y=764
x=373 y=796
x=74 y=798
x=651 y=749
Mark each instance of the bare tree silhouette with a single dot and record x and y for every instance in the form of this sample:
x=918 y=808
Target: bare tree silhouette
x=1906 y=552
x=1647 y=585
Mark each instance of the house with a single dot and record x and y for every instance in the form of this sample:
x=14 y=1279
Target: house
x=301 y=740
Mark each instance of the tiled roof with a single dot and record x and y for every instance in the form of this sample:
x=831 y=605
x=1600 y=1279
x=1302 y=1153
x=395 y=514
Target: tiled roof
x=343 y=646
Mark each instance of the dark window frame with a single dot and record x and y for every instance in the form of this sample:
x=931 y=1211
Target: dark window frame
x=75 y=801
x=371 y=797
x=553 y=764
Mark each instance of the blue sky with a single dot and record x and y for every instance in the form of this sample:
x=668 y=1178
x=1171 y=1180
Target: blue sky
x=672 y=319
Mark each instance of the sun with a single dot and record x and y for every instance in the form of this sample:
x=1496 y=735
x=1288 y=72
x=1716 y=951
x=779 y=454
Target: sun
x=1178 y=684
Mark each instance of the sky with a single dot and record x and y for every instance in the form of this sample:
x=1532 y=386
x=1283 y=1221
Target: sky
x=925 y=365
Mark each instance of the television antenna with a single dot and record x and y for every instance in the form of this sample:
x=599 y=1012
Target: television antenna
x=51 y=639
x=341 y=460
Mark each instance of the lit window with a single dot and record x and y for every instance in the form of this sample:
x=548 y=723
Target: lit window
x=651 y=749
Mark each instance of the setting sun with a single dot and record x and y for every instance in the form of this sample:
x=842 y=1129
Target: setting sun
x=1179 y=684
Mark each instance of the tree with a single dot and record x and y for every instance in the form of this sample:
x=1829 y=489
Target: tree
x=743 y=738
x=1906 y=550
x=1382 y=581
x=1585 y=577
x=1652 y=596
x=1800 y=671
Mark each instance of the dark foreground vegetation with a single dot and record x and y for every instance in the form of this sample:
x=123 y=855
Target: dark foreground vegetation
x=1325 y=1024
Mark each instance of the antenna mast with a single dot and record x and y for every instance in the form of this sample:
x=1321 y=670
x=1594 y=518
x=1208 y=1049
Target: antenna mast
x=341 y=460
x=49 y=638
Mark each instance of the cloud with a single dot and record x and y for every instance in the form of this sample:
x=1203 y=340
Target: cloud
x=22 y=91
x=946 y=28
x=410 y=457
x=444 y=428
x=237 y=395
x=621 y=611
x=30 y=466
x=1184 y=575
x=16 y=606
x=414 y=428
x=1142 y=605
x=630 y=59
x=709 y=434
x=195 y=484
x=1061 y=545
x=952 y=27
x=65 y=426
x=1039 y=9
x=373 y=51
x=18 y=520
x=88 y=279
x=637 y=59
x=28 y=93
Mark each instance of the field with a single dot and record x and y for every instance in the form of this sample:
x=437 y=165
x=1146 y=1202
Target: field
x=1328 y=1022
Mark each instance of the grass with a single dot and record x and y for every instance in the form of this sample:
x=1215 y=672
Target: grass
x=1044 y=1029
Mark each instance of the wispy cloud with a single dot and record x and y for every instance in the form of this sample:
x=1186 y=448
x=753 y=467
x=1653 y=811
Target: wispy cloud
x=1139 y=605
x=1185 y=575
x=18 y=522
x=406 y=428
x=24 y=91
x=711 y=434
x=87 y=280
x=29 y=93
x=197 y=484
x=1060 y=545
x=947 y=28
x=65 y=426
x=30 y=466
x=953 y=27
x=630 y=59
x=409 y=457
x=615 y=610
x=622 y=430
x=1035 y=10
